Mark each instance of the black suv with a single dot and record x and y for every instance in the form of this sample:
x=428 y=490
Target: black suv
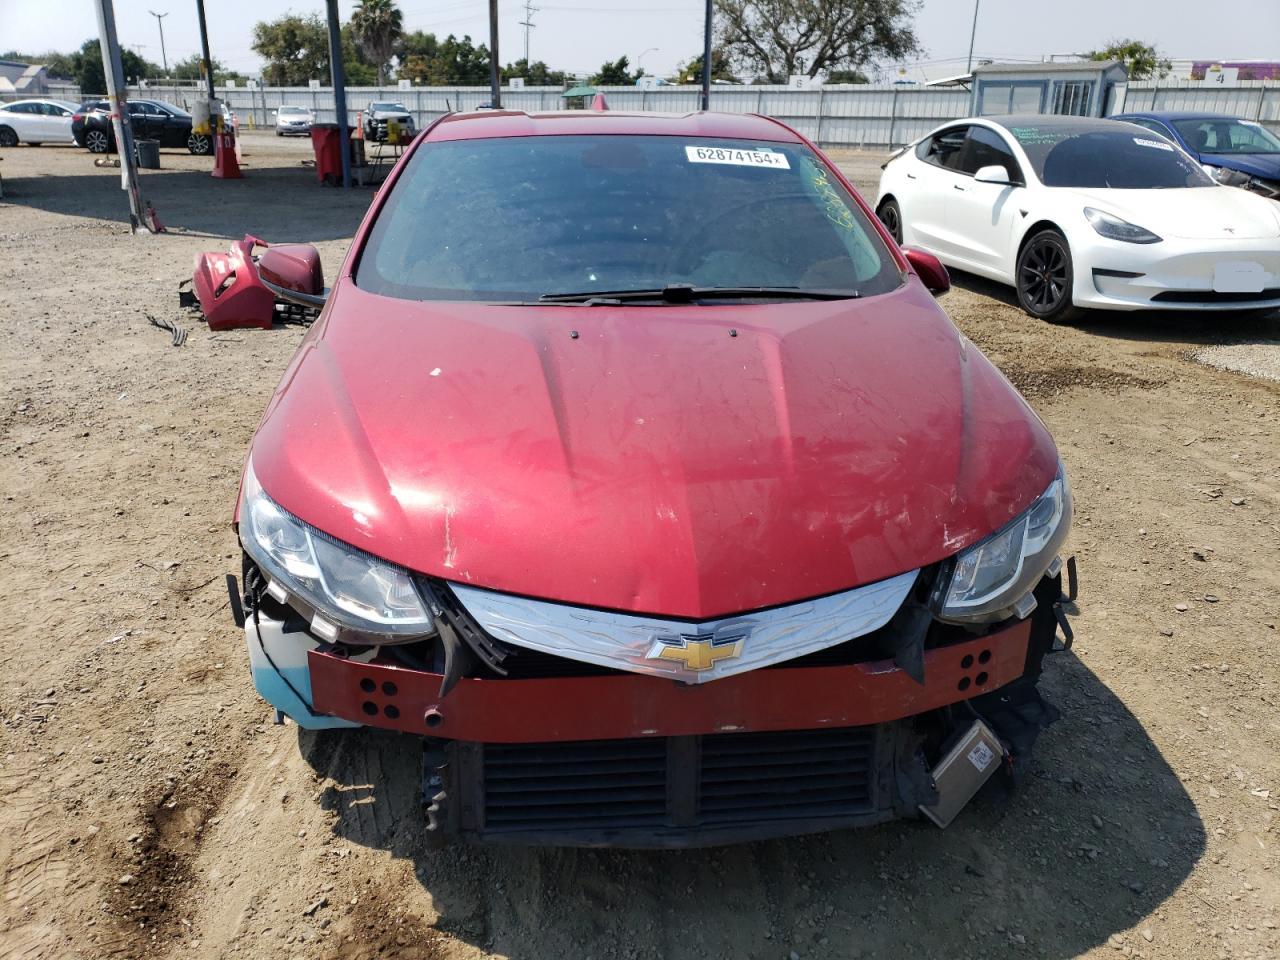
x=150 y=119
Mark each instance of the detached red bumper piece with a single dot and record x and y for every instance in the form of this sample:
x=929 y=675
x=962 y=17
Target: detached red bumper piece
x=229 y=287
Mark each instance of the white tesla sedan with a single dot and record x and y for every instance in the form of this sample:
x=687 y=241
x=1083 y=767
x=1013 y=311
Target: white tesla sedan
x=36 y=122
x=1075 y=212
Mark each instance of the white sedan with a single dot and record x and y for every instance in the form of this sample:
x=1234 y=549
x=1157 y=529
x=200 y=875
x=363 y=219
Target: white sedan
x=1075 y=212
x=36 y=122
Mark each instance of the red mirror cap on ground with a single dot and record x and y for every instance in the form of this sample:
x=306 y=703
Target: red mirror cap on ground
x=294 y=266
x=929 y=269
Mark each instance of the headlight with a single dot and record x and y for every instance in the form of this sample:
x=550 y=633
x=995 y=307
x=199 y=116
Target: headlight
x=991 y=577
x=342 y=588
x=1113 y=228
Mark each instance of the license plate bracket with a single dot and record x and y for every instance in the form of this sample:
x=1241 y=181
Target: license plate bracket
x=1239 y=276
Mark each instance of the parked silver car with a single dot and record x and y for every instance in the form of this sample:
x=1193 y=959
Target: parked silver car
x=294 y=121
x=36 y=122
x=379 y=113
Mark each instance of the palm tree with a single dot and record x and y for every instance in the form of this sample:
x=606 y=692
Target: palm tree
x=378 y=24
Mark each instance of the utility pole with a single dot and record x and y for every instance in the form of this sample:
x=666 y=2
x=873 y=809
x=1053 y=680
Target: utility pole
x=706 y=59
x=114 y=71
x=527 y=23
x=160 y=21
x=972 y=33
x=204 y=52
x=495 y=75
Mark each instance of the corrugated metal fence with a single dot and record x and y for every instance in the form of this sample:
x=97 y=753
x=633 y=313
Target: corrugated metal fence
x=834 y=116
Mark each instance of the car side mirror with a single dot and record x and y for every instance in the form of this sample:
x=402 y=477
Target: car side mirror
x=993 y=174
x=929 y=269
x=292 y=272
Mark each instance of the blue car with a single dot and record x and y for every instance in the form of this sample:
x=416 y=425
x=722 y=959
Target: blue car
x=1239 y=153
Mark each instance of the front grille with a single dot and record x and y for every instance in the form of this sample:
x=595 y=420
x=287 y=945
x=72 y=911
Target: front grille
x=678 y=783
x=604 y=784
x=805 y=773
x=1212 y=296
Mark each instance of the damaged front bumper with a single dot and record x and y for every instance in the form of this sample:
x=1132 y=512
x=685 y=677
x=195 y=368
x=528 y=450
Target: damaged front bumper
x=573 y=754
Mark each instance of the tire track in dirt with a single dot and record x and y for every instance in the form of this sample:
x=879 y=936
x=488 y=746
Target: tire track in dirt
x=36 y=867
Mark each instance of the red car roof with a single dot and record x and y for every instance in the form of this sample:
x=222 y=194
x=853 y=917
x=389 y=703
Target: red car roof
x=517 y=123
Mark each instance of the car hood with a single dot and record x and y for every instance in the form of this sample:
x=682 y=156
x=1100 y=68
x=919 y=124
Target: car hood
x=1194 y=213
x=682 y=460
x=1264 y=165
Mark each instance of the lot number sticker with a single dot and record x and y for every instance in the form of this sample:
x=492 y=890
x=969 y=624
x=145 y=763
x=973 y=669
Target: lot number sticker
x=1153 y=143
x=736 y=157
x=980 y=756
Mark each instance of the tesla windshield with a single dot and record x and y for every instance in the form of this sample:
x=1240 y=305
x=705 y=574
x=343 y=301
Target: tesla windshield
x=1128 y=158
x=1222 y=135
x=517 y=218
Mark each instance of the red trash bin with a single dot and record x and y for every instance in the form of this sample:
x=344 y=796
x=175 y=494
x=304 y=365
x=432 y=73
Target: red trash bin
x=327 y=145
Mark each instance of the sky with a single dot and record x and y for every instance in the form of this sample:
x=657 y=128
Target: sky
x=579 y=35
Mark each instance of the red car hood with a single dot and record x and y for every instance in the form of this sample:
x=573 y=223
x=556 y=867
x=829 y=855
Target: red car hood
x=655 y=462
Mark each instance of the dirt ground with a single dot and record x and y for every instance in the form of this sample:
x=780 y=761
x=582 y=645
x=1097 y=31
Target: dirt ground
x=149 y=808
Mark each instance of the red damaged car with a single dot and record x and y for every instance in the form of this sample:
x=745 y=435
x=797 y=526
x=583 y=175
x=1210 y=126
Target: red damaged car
x=634 y=468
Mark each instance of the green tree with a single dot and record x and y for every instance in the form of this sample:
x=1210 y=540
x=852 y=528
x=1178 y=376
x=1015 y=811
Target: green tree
x=847 y=76
x=296 y=51
x=536 y=74
x=378 y=25
x=85 y=67
x=775 y=39
x=615 y=74
x=1142 y=60
x=443 y=63
x=189 y=69
x=295 y=48
x=356 y=66
x=721 y=69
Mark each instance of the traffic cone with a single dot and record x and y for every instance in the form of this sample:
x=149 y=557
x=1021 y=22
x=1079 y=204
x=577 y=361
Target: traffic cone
x=359 y=134
x=224 y=152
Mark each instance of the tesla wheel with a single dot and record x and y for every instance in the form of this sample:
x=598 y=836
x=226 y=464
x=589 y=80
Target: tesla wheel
x=7 y=137
x=890 y=215
x=199 y=144
x=97 y=141
x=1045 y=275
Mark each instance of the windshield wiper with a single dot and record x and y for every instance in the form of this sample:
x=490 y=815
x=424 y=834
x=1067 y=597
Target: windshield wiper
x=688 y=293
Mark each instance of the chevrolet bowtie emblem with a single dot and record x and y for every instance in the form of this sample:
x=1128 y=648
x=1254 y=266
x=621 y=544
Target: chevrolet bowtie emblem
x=697 y=651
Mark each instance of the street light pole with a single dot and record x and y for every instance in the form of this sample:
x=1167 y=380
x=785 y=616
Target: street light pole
x=114 y=75
x=160 y=21
x=338 y=76
x=204 y=49
x=973 y=33
x=706 y=59
x=495 y=76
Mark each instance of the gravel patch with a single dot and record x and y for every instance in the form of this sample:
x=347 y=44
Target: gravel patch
x=1260 y=359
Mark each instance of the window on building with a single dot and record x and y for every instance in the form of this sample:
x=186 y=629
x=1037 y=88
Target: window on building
x=1071 y=97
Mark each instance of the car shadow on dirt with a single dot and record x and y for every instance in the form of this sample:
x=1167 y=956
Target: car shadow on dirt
x=1156 y=326
x=192 y=202
x=1098 y=835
